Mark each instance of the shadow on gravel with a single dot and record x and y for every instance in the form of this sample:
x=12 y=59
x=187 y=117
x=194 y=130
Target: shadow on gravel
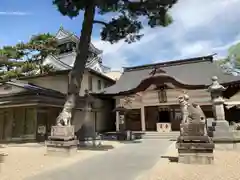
x=131 y=142
x=96 y=148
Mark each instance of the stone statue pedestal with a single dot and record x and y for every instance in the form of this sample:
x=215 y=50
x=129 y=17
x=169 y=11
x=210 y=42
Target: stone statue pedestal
x=2 y=158
x=62 y=141
x=194 y=145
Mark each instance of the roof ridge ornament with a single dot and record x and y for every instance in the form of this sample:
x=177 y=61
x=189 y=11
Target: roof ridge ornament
x=157 y=70
x=61 y=27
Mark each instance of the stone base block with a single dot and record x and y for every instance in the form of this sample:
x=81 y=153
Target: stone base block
x=201 y=146
x=228 y=146
x=196 y=158
x=194 y=138
x=222 y=131
x=1 y=158
x=61 y=148
x=61 y=151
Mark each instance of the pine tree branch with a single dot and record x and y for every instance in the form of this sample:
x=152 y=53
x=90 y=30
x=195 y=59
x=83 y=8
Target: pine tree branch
x=100 y=22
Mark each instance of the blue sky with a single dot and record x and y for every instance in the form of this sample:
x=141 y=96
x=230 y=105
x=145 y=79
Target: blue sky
x=200 y=27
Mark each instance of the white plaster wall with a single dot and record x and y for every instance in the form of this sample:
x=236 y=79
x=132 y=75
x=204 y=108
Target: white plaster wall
x=95 y=82
x=60 y=82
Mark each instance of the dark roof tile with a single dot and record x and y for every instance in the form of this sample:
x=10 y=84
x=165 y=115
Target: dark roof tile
x=196 y=71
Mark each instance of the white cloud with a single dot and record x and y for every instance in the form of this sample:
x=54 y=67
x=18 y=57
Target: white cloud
x=200 y=27
x=112 y=57
x=198 y=48
x=14 y=13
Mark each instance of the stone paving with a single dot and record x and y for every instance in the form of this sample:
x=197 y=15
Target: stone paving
x=28 y=159
x=125 y=163
x=225 y=167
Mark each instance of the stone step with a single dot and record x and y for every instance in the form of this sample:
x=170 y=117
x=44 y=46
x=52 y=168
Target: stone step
x=170 y=138
x=163 y=133
x=155 y=132
x=158 y=135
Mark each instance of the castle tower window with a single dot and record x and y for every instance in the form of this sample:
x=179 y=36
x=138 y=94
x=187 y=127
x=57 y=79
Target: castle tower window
x=90 y=83
x=68 y=47
x=99 y=85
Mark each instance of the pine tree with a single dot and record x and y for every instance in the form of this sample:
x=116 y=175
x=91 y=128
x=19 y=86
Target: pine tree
x=26 y=58
x=126 y=25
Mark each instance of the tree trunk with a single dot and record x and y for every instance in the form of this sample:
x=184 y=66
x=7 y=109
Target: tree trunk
x=76 y=74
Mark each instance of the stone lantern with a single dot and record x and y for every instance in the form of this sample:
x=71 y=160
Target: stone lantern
x=216 y=91
x=123 y=134
x=222 y=131
x=121 y=113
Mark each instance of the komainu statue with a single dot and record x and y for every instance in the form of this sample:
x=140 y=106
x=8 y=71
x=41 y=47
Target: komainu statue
x=190 y=111
x=194 y=145
x=65 y=117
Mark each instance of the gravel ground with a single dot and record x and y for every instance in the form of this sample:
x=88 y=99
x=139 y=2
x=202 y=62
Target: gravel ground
x=125 y=163
x=225 y=167
x=30 y=159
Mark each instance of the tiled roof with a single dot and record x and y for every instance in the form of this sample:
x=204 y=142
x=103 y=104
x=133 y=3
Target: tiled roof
x=36 y=89
x=196 y=72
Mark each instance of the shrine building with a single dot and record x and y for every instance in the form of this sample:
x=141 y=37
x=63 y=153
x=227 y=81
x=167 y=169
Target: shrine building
x=150 y=92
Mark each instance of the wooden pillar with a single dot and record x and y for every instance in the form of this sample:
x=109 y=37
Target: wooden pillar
x=143 y=123
x=117 y=121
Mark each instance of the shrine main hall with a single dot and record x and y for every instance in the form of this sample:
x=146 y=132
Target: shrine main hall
x=150 y=92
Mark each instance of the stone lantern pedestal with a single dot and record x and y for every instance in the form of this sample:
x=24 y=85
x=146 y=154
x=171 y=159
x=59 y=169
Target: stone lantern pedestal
x=2 y=157
x=222 y=130
x=123 y=133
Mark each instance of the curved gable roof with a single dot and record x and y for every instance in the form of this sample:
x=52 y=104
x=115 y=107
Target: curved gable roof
x=190 y=72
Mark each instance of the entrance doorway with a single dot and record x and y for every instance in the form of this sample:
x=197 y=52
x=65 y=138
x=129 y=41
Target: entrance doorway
x=2 y=125
x=164 y=116
x=164 y=121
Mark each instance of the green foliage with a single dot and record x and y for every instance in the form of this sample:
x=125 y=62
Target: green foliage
x=26 y=69
x=15 y=73
x=23 y=58
x=28 y=66
x=221 y=61
x=120 y=28
x=127 y=25
x=46 y=68
x=10 y=52
x=234 y=50
x=39 y=46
